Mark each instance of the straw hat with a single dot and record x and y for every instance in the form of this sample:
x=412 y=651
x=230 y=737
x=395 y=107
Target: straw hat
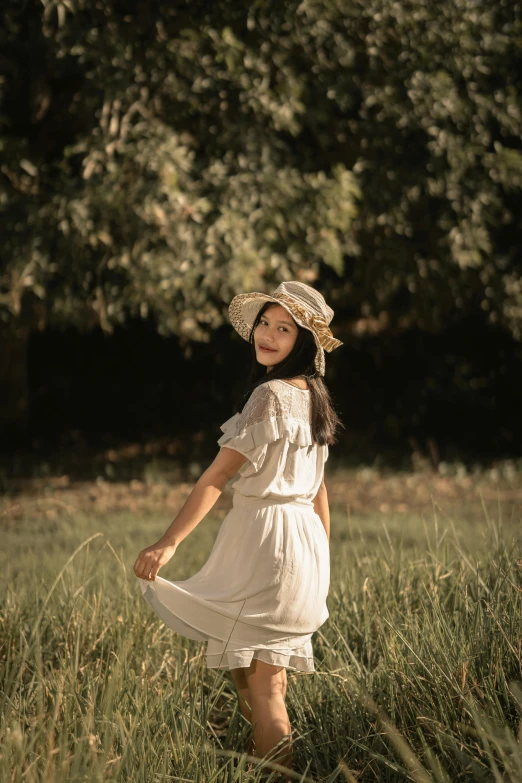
x=306 y=306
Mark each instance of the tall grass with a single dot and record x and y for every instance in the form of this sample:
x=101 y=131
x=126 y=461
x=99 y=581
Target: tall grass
x=418 y=669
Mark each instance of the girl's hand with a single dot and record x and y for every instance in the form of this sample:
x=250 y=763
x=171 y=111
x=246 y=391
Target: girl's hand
x=150 y=560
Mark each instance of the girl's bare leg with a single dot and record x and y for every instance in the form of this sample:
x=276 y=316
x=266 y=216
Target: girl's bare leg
x=267 y=690
x=240 y=681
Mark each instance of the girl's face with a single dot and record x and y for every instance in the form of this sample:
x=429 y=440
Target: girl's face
x=276 y=330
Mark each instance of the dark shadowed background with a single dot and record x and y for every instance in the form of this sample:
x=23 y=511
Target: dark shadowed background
x=158 y=159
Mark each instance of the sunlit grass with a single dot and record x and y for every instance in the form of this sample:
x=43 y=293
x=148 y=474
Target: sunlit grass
x=418 y=669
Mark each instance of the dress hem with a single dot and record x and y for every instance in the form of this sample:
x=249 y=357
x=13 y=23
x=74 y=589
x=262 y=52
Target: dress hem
x=242 y=659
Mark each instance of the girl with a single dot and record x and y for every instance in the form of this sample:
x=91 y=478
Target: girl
x=262 y=592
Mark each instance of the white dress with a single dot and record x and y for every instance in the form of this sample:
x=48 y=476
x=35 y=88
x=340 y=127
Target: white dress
x=262 y=592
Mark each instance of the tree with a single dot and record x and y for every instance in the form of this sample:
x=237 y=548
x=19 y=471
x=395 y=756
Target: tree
x=158 y=160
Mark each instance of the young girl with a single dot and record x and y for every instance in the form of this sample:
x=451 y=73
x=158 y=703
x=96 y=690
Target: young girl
x=262 y=592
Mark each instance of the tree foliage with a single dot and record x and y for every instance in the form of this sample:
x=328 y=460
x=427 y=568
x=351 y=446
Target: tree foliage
x=159 y=158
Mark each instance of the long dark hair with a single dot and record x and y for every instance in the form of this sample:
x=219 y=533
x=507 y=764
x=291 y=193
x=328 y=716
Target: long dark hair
x=300 y=361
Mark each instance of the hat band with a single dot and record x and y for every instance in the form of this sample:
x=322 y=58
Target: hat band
x=315 y=322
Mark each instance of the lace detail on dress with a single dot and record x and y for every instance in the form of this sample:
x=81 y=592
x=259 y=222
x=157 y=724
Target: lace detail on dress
x=275 y=399
x=274 y=411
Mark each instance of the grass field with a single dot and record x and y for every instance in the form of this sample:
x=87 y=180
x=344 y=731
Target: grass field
x=418 y=669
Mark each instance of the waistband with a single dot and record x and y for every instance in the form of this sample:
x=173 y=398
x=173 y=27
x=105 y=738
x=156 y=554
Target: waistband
x=244 y=500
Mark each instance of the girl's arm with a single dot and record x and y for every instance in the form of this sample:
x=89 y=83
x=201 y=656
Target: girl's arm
x=206 y=491
x=321 y=507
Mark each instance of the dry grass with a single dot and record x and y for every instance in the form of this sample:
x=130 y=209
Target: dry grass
x=418 y=667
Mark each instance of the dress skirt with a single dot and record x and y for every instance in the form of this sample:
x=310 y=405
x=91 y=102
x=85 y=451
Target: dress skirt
x=262 y=591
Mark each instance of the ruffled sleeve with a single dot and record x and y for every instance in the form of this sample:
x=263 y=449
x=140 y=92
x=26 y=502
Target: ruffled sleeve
x=264 y=419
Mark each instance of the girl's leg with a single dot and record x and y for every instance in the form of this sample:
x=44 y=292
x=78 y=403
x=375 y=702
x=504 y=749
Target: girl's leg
x=240 y=681
x=267 y=690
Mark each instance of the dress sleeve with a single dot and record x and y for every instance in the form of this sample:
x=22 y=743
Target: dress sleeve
x=263 y=420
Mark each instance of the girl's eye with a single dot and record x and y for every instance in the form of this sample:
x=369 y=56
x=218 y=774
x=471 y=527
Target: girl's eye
x=262 y=321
